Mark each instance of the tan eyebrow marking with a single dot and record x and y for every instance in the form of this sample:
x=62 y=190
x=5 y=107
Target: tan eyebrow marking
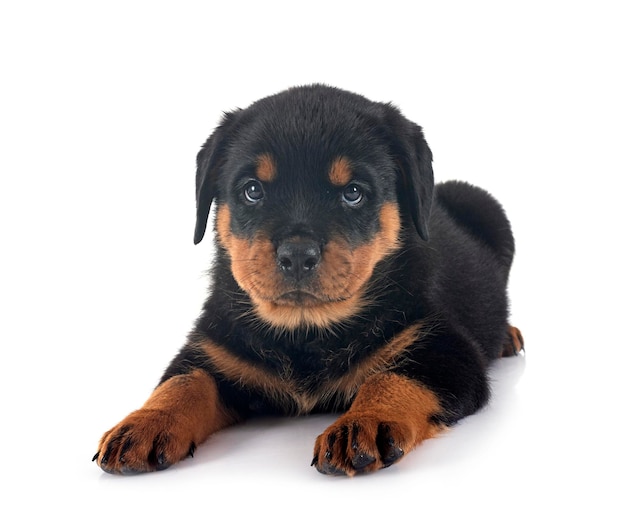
x=265 y=168
x=340 y=172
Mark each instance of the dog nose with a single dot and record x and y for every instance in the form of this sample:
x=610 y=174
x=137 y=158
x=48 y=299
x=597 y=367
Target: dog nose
x=298 y=258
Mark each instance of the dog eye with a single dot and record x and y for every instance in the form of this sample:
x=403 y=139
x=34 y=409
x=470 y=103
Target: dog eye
x=253 y=192
x=352 y=194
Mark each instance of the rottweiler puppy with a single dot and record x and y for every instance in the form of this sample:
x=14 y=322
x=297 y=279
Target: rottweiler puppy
x=344 y=281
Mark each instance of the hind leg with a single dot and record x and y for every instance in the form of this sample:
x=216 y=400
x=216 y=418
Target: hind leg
x=514 y=342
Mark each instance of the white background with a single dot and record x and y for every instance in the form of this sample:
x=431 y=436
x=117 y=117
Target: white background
x=103 y=107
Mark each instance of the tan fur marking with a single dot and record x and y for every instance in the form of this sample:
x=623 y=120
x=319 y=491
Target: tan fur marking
x=363 y=259
x=515 y=342
x=283 y=388
x=195 y=396
x=266 y=168
x=223 y=226
x=322 y=315
x=239 y=371
x=340 y=173
x=395 y=397
x=252 y=261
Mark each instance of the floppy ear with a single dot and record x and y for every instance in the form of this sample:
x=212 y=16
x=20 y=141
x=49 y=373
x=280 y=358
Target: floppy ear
x=416 y=181
x=208 y=161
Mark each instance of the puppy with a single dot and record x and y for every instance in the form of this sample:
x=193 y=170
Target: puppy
x=344 y=280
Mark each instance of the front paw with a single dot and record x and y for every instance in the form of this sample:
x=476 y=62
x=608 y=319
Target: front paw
x=390 y=416
x=357 y=445
x=146 y=440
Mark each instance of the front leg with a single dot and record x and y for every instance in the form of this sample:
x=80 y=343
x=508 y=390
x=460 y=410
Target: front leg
x=437 y=381
x=182 y=412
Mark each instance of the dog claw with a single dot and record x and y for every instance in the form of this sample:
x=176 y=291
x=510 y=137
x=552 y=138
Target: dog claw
x=362 y=460
x=326 y=467
x=104 y=459
x=394 y=454
x=329 y=469
x=390 y=452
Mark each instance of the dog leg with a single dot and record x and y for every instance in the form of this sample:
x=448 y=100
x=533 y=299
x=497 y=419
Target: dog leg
x=514 y=343
x=390 y=416
x=181 y=413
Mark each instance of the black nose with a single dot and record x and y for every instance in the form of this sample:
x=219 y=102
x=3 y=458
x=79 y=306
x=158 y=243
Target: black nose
x=298 y=258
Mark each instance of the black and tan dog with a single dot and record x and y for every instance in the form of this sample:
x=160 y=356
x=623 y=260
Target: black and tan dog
x=344 y=280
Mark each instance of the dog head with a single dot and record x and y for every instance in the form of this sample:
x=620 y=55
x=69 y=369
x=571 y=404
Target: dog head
x=313 y=187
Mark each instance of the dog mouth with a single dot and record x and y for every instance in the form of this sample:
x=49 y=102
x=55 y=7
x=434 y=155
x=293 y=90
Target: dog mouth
x=301 y=298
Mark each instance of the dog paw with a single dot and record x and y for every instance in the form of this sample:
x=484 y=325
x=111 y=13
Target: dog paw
x=146 y=440
x=357 y=445
x=514 y=343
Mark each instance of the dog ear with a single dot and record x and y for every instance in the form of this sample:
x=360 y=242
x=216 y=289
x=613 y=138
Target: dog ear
x=209 y=160
x=414 y=161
